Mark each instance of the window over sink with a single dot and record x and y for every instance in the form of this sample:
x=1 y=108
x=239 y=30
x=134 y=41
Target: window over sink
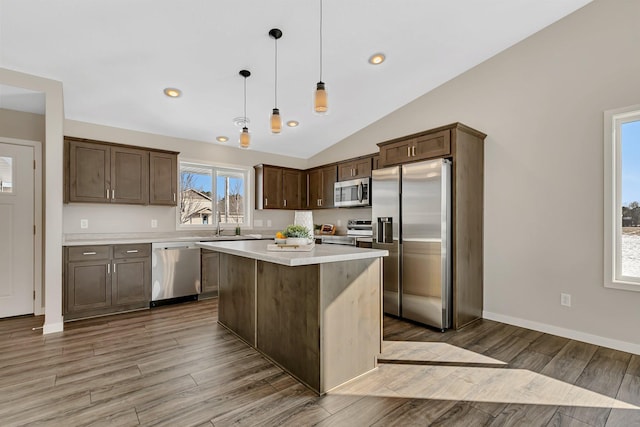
x=213 y=195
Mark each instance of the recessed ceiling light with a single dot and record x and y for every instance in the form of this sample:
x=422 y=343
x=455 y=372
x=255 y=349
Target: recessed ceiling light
x=222 y=138
x=172 y=92
x=377 y=58
x=292 y=123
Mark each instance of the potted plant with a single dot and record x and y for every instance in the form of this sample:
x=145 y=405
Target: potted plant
x=297 y=235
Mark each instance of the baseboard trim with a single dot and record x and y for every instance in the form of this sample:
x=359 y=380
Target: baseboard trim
x=563 y=332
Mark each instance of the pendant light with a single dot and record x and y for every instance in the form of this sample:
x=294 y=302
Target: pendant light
x=245 y=138
x=320 y=101
x=276 y=121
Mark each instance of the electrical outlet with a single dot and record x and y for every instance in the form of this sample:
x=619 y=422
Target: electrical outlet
x=565 y=299
x=84 y=223
x=268 y=223
x=154 y=223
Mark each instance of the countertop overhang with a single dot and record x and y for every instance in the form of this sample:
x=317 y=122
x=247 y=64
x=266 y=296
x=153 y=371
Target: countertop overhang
x=320 y=254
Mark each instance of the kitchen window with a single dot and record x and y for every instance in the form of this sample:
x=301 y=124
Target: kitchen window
x=622 y=198
x=212 y=195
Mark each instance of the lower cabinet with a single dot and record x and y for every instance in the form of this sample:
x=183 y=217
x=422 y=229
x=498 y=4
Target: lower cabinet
x=106 y=279
x=210 y=276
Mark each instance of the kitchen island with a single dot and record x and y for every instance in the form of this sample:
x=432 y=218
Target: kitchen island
x=317 y=314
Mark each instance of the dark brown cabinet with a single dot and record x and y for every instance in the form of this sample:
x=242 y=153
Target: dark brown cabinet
x=210 y=273
x=163 y=178
x=427 y=145
x=352 y=169
x=278 y=188
x=101 y=172
x=320 y=183
x=106 y=279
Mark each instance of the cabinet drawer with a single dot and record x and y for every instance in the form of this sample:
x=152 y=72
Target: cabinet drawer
x=88 y=253
x=131 y=251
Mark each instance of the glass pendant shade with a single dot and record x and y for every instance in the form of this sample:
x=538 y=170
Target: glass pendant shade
x=320 y=105
x=276 y=121
x=245 y=138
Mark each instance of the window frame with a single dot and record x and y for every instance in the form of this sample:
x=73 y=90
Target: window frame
x=613 y=120
x=215 y=169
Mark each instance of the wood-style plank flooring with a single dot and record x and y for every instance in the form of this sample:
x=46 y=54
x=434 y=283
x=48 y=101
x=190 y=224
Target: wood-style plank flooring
x=176 y=366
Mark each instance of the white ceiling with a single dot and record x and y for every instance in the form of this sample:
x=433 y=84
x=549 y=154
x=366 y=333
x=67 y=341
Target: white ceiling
x=115 y=57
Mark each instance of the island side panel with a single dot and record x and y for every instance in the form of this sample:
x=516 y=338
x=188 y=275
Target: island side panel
x=237 y=296
x=287 y=319
x=351 y=319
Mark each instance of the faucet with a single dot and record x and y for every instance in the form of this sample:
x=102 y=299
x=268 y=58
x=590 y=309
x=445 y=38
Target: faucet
x=218 y=230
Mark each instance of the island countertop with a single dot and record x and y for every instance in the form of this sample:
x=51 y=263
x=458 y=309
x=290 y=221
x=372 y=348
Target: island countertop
x=320 y=254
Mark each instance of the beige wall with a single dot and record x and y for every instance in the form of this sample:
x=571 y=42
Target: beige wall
x=541 y=104
x=20 y=125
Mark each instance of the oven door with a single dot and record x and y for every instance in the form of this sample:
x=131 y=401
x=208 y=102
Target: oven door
x=355 y=192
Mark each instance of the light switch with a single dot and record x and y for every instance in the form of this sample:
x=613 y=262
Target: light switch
x=154 y=223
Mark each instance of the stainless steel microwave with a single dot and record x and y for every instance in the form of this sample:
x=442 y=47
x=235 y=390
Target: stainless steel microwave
x=352 y=193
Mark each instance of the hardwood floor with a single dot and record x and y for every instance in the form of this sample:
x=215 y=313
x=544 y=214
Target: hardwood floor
x=176 y=366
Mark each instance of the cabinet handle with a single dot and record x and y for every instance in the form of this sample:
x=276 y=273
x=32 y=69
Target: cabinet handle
x=285 y=203
x=89 y=253
x=107 y=193
x=113 y=194
x=355 y=172
x=132 y=251
x=413 y=151
x=114 y=268
x=266 y=201
x=109 y=268
x=174 y=197
x=408 y=151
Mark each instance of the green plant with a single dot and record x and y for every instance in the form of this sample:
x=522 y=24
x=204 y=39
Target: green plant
x=296 y=231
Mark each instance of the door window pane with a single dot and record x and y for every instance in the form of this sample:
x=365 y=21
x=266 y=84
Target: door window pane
x=6 y=175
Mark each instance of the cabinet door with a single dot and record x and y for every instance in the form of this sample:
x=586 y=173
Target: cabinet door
x=329 y=177
x=272 y=188
x=314 y=188
x=88 y=286
x=432 y=145
x=163 y=178
x=89 y=172
x=129 y=176
x=362 y=168
x=396 y=153
x=375 y=162
x=291 y=189
x=210 y=272
x=131 y=281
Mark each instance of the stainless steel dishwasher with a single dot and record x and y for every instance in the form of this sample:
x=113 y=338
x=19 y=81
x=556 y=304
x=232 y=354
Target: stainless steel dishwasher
x=175 y=272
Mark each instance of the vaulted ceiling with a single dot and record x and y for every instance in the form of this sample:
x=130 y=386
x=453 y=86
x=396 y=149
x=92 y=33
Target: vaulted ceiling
x=115 y=57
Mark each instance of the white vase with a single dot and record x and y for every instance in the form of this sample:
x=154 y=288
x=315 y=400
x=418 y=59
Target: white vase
x=296 y=241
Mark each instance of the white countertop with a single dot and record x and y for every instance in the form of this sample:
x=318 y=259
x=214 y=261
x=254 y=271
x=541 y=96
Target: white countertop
x=320 y=254
x=115 y=239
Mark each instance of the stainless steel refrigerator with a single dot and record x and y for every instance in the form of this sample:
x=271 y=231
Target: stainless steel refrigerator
x=411 y=210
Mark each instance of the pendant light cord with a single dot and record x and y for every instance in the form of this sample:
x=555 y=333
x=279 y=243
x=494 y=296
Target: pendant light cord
x=245 y=102
x=320 y=40
x=276 y=77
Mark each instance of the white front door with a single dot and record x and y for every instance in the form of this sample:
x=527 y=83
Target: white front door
x=16 y=229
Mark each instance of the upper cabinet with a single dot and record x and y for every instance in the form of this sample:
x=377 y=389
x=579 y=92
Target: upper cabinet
x=99 y=172
x=422 y=146
x=320 y=184
x=357 y=168
x=163 y=178
x=279 y=188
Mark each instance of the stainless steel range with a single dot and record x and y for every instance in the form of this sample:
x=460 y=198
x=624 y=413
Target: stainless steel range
x=359 y=233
